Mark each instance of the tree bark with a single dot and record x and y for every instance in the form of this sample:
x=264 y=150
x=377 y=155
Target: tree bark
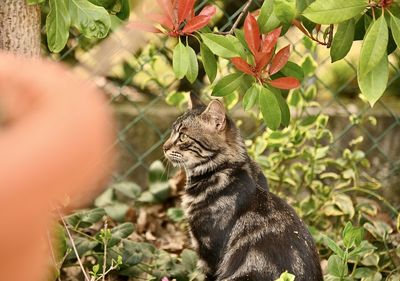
x=20 y=28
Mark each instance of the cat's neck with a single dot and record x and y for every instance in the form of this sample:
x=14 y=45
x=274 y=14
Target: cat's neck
x=195 y=174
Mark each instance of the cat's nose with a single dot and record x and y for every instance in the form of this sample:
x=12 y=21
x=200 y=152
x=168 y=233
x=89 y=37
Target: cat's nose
x=167 y=145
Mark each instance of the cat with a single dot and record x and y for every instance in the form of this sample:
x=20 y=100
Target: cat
x=240 y=230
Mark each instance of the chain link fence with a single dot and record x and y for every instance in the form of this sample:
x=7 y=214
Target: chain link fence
x=140 y=85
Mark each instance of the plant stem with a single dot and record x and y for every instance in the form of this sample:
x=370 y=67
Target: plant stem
x=239 y=18
x=105 y=240
x=73 y=246
x=374 y=194
x=330 y=36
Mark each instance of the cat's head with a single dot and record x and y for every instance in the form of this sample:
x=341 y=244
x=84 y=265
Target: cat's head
x=204 y=137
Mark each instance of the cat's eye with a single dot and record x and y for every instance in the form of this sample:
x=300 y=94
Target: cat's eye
x=183 y=137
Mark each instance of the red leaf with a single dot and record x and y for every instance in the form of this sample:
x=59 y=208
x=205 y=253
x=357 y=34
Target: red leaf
x=161 y=19
x=285 y=83
x=280 y=60
x=166 y=6
x=191 y=15
x=242 y=65
x=262 y=59
x=196 y=23
x=184 y=9
x=175 y=13
x=252 y=34
x=270 y=40
x=209 y=10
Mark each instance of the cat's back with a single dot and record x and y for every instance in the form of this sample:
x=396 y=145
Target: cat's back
x=267 y=239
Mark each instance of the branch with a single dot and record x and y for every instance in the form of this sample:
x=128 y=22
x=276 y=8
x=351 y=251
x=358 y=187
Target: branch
x=330 y=36
x=73 y=246
x=300 y=26
x=239 y=18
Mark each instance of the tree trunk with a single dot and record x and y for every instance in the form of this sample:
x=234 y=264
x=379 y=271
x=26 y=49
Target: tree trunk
x=20 y=28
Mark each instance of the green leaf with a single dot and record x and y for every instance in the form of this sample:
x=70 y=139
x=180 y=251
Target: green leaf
x=373 y=84
x=308 y=65
x=119 y=232
x=285 y=276
x=227 y=85
x=285 y=10
x=91 y=20
x=116 y=22
x=265 y=12
x=292 y=69
x=336 y=267
x=176 y=214
x=105 y=198
x=272 y=23
x=343 y=40
x=352 y=235
x=209 y=62
x=395 y=27
x=189 y=260
x=83 y=245
x=158 y=182
x=108 y=4
x=237 y=43
x=251 y=96
x=344 y=203
x=116 y=210
x=301 y=5
x=364 y=248
x=193 y=67
x=58 y=22
x=334 y=11
x=270 y=108
x=92 y=216
x=176 y=98
x=125 y=10
x=285 y=112
x=374 y=46
x=129 y=189
x=157 y=172
x=333 y=246
x=180 y=60
x=85 y=218
x=95 y=269
x=219 y=45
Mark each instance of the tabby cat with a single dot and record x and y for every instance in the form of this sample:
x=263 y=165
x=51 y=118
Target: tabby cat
x=240 y=230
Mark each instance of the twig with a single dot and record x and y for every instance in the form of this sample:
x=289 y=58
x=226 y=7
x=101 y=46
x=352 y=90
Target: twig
x=73 y=246
x=309 y=35
x=239 y=18
x=105 y=240
x=330 y=36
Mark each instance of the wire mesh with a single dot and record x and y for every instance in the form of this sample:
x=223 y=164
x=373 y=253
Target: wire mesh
x=138 y=90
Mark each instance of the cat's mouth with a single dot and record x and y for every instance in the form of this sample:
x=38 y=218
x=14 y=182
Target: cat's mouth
x=174 y=157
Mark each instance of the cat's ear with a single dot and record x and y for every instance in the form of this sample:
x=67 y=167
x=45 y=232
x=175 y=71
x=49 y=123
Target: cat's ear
x=214 y=115
x=194 y=101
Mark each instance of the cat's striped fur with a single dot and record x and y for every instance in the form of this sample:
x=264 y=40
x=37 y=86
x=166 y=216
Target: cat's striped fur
x=240 y=230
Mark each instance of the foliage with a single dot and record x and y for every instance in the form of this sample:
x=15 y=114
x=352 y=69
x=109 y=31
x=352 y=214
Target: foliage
x=353 y=225
x=330 y=192
x=92 y=18
x=252 y=50
x=102 y=235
